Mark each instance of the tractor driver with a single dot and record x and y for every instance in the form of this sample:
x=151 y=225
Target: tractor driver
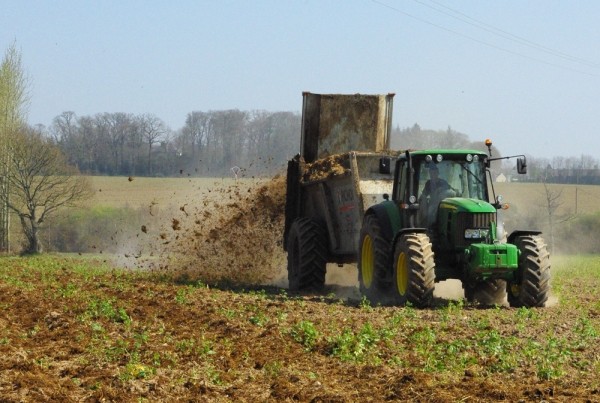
x=434 y=191
x=435 y=185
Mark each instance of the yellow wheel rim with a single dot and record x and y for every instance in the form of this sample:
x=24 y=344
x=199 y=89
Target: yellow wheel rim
x=402 y=274
x=367 y=261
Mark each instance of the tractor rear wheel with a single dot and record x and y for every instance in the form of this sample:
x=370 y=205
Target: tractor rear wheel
x=307 y=255
x=532 y=285
x=414 y=270
x=373 y=261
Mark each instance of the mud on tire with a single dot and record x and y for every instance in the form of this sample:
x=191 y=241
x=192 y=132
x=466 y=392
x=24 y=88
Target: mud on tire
x=532 y=286
x=413 y=270
x=374 y=261
x=307 y=255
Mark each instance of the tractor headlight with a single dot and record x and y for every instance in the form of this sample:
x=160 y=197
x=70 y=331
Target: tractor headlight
x=476 y=233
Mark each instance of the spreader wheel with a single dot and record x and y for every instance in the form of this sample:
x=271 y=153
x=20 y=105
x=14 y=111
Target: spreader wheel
x=307 y=255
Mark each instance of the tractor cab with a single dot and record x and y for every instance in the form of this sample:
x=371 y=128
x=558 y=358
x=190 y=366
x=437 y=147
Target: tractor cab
x=426 y=178
x=456 y=175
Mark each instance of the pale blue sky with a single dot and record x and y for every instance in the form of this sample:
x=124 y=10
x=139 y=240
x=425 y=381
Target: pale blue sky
x=525 y=73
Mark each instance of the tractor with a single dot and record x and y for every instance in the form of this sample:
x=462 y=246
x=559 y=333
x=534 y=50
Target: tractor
x=441 y=223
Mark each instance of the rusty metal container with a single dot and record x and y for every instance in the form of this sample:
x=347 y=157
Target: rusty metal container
x=339 y=123
x=344 y=166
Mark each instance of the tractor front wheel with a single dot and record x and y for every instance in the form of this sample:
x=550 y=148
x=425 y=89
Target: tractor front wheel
x=414 y=270
x=532 y=284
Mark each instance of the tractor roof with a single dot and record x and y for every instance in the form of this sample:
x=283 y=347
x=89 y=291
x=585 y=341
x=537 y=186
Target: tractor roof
x=453 y=152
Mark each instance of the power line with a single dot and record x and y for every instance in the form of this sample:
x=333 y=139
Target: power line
x=505 y=34
x=424 y=21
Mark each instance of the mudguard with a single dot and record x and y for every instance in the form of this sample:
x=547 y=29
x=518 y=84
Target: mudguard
x=513 y=235
x=388 y=216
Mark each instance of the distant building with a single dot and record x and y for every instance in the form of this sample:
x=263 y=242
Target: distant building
x=501 y=178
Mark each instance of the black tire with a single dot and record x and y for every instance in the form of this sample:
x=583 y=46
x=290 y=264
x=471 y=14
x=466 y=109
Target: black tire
x=292 y=197
x=414 y=270
x=307 y=255
x=490 y=292
x=532 y=285
x=374 y=261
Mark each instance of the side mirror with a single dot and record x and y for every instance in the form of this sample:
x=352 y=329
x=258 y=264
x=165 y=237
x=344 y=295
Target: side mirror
x=385 y=165
x=522 y=165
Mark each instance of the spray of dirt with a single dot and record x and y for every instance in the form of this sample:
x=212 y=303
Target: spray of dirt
x=234 y=238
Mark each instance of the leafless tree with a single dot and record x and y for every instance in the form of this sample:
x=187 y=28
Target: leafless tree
x=40 y=183
x=196 y=130
x=152 y=129
x=552 y=202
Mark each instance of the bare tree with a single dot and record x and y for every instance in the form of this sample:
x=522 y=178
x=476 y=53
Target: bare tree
x=64 y=132
x=152 y=129
x=551 y=205
x=197 y=126
x=40 y=183
x=64 y=127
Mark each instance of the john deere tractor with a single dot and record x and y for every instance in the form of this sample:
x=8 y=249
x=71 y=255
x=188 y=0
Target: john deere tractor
x=441 y=223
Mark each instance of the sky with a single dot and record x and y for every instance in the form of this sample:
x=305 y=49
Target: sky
x=525 y=73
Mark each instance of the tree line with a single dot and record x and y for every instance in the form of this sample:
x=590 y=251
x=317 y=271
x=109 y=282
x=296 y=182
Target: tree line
x=584 y=169
x=209 y=144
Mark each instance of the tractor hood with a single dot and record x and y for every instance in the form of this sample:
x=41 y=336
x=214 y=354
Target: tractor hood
x=464 y=205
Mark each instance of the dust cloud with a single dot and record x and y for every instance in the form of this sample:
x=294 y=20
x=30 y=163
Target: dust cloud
x=552 y=301
x=449 y=289
x=342 y=282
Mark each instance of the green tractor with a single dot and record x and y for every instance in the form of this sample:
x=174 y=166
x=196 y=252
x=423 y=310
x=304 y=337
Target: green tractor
x=441 y=224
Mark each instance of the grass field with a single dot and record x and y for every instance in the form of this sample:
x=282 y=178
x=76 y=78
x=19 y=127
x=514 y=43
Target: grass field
x=121 y=192
x=136 y=192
